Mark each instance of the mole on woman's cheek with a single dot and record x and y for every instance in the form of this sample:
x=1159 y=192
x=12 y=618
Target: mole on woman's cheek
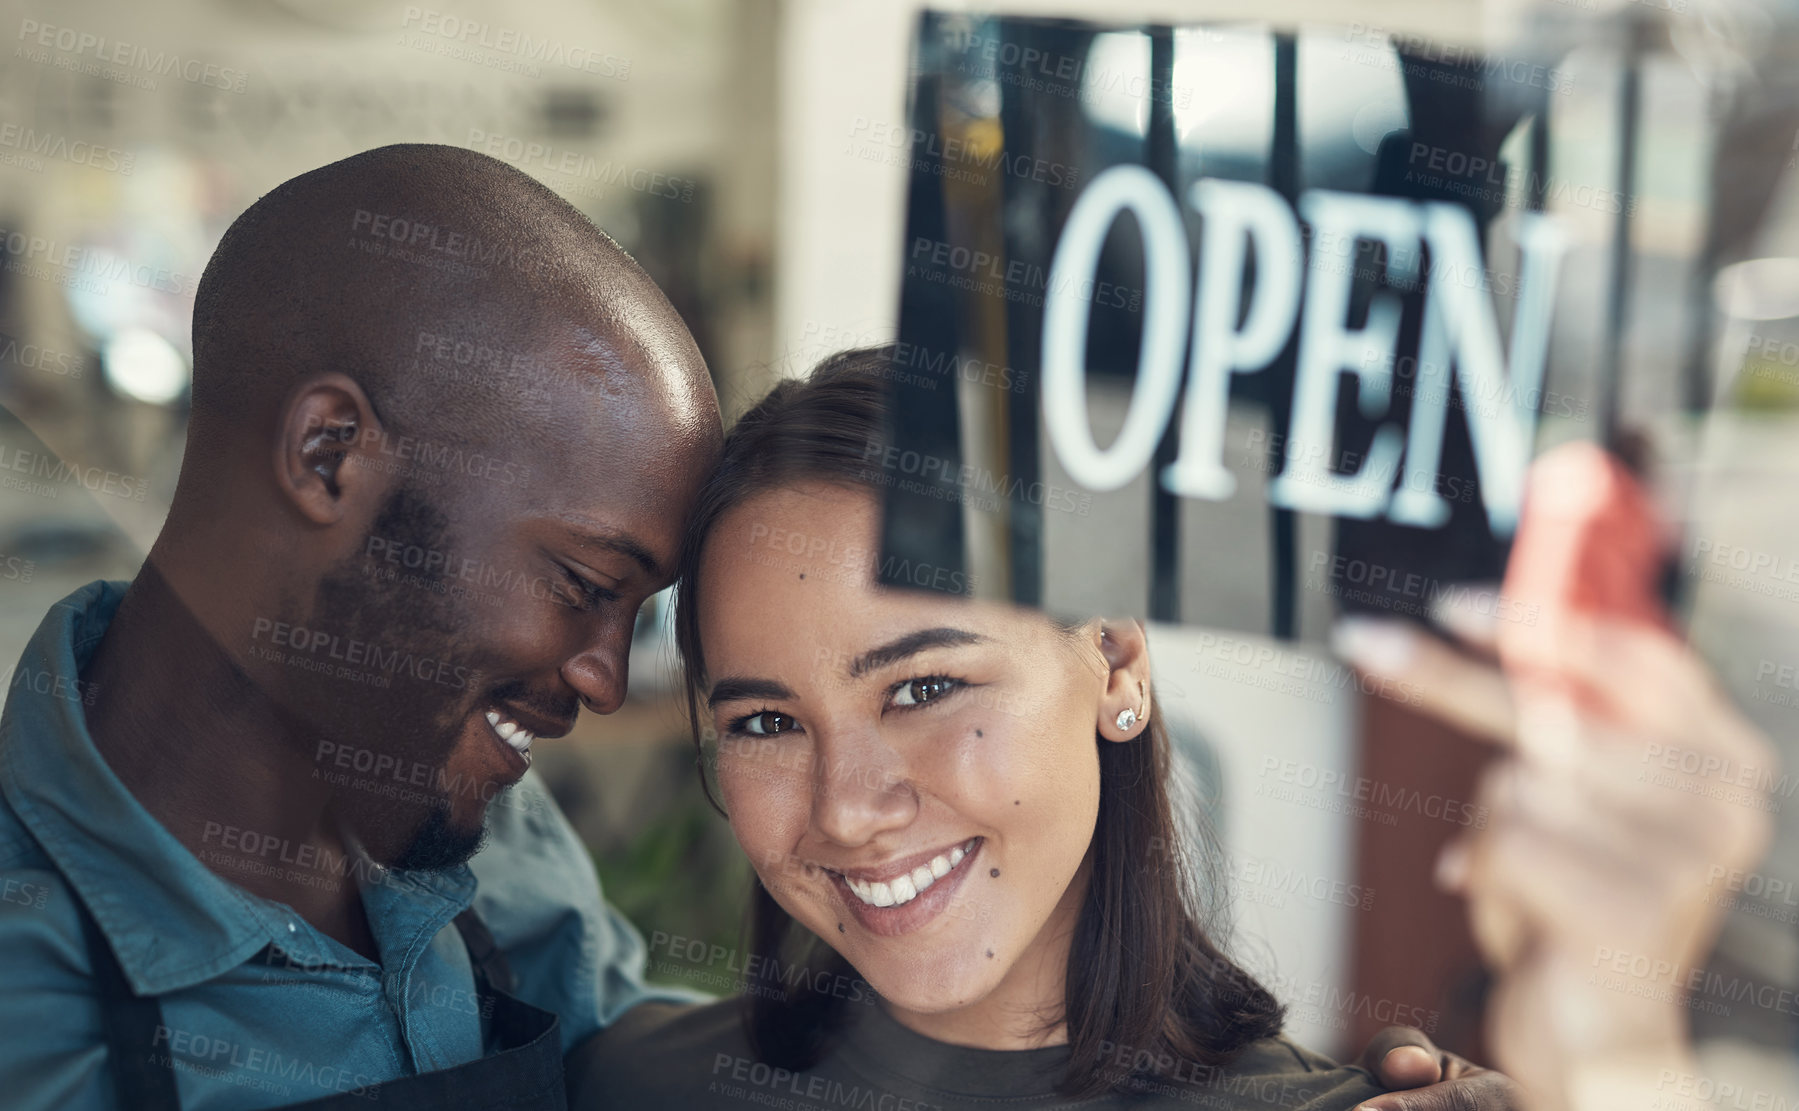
x=839 y=927
x=994 y=872
x=978 y=733
x=989 y=954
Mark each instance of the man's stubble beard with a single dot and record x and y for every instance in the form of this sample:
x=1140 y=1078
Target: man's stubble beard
x=437 y=845
x=425 y=621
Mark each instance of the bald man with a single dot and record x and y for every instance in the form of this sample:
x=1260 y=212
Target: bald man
x=445 y=435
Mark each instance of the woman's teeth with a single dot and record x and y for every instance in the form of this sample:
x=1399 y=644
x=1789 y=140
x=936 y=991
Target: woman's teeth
x=904 y=889
x=511 y=733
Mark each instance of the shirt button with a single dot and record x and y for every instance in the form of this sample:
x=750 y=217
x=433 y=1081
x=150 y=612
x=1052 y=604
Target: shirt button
x=291 y=928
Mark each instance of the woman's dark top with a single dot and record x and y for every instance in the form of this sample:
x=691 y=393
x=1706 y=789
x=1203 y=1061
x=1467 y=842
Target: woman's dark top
x=695 y=1058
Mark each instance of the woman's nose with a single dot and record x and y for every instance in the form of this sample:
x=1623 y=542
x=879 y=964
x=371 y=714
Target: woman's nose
x=859 y=790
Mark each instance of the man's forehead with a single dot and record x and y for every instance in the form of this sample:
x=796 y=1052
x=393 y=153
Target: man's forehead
x=614 y=441
x=551 y=348
x=568 y=363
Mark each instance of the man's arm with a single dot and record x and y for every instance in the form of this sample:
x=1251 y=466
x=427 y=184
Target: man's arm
x=573 y=953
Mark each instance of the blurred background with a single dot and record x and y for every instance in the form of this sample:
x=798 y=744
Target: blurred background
x=752 y=155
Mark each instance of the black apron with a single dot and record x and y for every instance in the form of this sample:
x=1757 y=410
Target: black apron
x=523 y=1074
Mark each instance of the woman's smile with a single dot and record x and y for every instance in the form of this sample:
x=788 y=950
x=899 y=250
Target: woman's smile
x=902 y=895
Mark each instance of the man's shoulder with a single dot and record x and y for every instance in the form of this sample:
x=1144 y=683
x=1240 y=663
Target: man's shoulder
x=658 y=1055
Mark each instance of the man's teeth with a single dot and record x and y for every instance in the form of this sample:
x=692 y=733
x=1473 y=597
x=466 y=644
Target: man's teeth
x=903 y=889
x=509 y=731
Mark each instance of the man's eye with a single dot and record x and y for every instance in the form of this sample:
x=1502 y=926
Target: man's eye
x=764 y=724
x=586 y=595
x=917 y=692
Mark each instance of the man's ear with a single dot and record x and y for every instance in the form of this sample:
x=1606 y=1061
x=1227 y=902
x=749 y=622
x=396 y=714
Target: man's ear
x=328 y=429
x=1124 y=710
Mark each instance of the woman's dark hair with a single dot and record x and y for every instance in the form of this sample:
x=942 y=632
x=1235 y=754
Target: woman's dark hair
x=1145 y=981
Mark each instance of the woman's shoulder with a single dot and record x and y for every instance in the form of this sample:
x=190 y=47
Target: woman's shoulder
x=1269 y=1074
x=657 y=1055
x=1279 y=1072
x=695 y=1056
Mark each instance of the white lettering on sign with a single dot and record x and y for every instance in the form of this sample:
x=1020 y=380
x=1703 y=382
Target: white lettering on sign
x=1459 y=333
x=1238 y=216
x=1459 y=329
x=1164 y=328
x=1327 y=348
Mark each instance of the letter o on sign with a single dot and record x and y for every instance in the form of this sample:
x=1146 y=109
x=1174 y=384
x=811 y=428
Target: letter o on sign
x=1067 y=312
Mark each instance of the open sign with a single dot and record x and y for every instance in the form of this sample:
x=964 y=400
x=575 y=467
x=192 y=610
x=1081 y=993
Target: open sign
x=1241 y=331
x=1309 y=303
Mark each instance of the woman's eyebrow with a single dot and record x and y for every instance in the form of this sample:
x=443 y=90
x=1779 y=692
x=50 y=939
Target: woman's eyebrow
x=733 y=688
x=910 y=645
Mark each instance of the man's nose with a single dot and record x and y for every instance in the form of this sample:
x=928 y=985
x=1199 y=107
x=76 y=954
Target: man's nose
x=599 y=671
x=860 y=789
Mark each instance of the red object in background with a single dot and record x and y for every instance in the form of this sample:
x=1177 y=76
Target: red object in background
x=1414 y=959
x=1589 y=544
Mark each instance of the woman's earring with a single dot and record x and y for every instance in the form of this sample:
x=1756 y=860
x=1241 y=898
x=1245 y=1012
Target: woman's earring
x=1126 y=719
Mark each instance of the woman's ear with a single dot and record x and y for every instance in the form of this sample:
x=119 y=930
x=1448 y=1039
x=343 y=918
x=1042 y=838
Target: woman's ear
x=1124 y=709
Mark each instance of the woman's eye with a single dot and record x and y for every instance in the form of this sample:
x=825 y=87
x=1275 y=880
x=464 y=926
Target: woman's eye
x=765 y=724
x=917 y=692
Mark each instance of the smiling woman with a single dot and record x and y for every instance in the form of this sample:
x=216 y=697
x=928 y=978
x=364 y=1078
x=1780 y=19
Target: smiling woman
x=971 y=886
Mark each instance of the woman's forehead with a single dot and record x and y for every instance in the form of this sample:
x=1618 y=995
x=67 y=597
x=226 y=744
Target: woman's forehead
x=803 y=519
x=809 y=558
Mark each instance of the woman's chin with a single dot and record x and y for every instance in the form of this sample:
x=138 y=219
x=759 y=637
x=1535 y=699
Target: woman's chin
x=928 y=994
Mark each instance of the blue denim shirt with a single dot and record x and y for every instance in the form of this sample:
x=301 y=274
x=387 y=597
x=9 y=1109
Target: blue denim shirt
x=260 y=1008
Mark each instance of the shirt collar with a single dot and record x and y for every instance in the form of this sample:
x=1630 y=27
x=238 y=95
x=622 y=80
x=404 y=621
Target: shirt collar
x=171 y=921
